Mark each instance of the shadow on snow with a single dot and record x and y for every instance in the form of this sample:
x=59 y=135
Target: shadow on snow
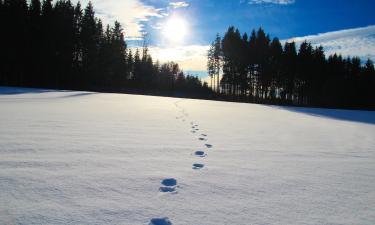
x=19 y=90
x=360 y=116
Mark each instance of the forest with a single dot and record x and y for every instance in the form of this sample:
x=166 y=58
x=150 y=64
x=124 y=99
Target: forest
x=257 y=69
x=64 y=46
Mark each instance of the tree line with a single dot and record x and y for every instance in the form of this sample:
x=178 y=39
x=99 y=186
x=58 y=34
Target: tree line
x=64 y=46
x=257 y=69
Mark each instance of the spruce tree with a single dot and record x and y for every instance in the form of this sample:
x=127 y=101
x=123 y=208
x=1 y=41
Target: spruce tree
x=89 y=43
x=275 y=63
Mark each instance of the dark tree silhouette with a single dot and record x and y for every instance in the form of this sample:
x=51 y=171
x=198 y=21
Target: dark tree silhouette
x=62 y=46
x=256 y=69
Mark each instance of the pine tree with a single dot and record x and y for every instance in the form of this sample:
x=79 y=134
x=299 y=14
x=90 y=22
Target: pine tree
x=64 y=42
x=368 y=84
x=217 y=61
x=35 y=43
x=77 y=24
x=304 y=73
x=120 y=51
x=275 y=63
x=262 y=46
x=130 y=64
x=251 y=63
x=211 y=63
x=318 y=78
x=243 y=67
x=16 y=29
x=48 y=47
x=137 y=70
x=289 y=70
x=89 y=39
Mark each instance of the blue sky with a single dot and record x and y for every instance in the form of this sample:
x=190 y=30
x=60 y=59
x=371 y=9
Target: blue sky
x=290 y=19
x=345 y=26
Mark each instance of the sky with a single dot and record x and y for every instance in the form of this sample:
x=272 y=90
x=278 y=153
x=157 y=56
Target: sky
x=181 y=31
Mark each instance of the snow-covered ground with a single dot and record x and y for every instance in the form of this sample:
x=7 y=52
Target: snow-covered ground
x=89 y=158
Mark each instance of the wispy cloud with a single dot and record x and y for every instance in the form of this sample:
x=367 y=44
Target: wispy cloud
x=350 y=42
x=189 y=57
x=278 y=2
x=130 y=13
x=176 y=5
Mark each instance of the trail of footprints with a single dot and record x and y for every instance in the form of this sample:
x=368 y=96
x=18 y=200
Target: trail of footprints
x=169 y=185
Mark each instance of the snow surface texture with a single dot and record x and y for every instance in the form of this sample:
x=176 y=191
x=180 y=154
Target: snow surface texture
x=90 y=158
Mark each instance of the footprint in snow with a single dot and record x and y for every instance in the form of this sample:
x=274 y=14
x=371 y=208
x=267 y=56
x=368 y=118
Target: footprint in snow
x=204 y=135
x=200 y=153
x=169 y=185
x=202 y=139
x=197 y=166
x=208 y=145
x=169 y=182
x=160 y=221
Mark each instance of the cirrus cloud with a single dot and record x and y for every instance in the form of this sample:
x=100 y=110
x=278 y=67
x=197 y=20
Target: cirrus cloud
x=177 y=5
x=130 y=13
x=278 y=2
x=349 y=42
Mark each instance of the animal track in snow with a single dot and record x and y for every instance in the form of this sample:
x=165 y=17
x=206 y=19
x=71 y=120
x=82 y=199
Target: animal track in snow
x=197 y=166
x=200 y=153
x=160 y=221
x=169 y=182
x=204 y=135
x=208 y=145
x=169 y=185
x=202 y=139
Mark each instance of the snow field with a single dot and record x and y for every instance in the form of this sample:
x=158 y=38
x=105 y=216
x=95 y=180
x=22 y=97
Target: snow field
x=90 y=158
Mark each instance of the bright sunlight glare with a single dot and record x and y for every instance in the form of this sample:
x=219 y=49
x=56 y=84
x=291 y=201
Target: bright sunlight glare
x=175 y=29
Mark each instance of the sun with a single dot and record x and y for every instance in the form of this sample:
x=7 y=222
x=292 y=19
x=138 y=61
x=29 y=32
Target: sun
x=175 y=29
